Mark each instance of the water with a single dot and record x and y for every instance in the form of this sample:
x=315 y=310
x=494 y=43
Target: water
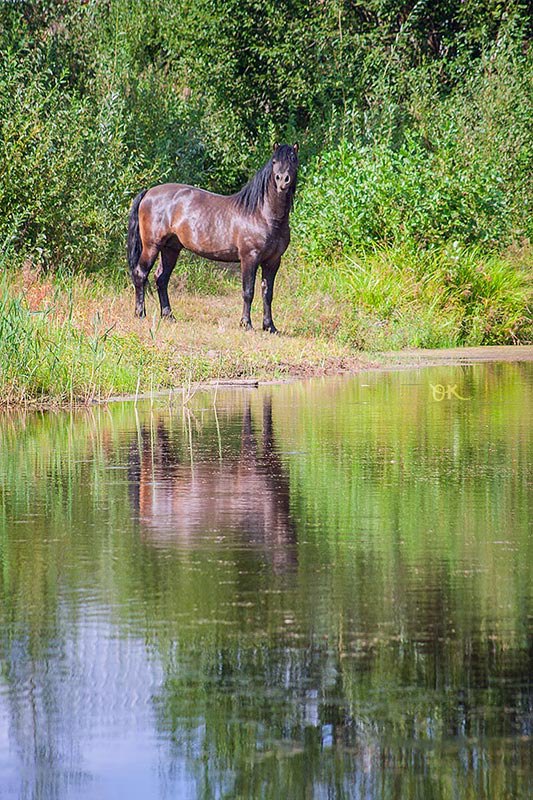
x=319 y=590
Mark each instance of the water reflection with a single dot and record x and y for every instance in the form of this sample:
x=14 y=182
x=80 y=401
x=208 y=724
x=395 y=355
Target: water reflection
x=180 y=497
x=318 y=590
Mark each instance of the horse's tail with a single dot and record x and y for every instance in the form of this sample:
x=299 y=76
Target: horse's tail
x=134 y=237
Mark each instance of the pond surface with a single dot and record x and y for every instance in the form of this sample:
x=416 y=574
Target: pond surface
x=317 y=590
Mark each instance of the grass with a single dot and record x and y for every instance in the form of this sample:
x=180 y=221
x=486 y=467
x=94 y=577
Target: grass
x=65 y=341
x=69 y=341
x=46 y=359
x=403 y=296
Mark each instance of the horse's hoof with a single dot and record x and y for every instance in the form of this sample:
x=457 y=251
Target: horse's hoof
x=168 y=317
x=246 y=324
x=270 y=328
x=140 y=314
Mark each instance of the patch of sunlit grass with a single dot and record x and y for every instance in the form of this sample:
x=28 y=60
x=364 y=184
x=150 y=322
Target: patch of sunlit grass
x=397 y=297
x=75 y=341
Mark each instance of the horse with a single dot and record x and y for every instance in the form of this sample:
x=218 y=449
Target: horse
x=251 y=226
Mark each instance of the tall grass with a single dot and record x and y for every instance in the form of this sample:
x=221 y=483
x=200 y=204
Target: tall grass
x=43 y=361
x=395 y=296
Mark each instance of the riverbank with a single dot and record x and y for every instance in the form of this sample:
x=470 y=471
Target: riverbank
x=456 y=356
x=72 y=344
x=77 y=343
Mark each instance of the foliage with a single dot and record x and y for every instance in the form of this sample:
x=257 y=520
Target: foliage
x=394 y=297
x=65 y=173
x=461 y=172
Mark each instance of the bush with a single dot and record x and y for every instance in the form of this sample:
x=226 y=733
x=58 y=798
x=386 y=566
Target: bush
x=458 y=173
x=67 y=176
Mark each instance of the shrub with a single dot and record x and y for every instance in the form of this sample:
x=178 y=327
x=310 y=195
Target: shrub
x=66 y=173
x=459 y=172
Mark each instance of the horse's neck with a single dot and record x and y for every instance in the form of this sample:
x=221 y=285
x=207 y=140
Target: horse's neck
x=277 y=206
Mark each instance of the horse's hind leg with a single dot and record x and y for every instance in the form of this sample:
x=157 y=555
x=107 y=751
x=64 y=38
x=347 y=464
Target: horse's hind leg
x=169 y=256
x=139 y=276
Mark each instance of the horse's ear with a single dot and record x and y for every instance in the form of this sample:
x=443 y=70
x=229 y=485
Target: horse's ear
x=276 y=145
x=295 y=147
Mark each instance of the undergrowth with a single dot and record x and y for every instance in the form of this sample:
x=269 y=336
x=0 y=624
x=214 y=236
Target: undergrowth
x=398 y=297
x=43 y=361
x=70 y=341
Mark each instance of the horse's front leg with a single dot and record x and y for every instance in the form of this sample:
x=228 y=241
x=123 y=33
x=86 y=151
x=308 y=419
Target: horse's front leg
x=249 y=271
x=267 y=287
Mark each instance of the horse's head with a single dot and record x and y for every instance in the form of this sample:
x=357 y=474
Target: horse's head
x=285 y=166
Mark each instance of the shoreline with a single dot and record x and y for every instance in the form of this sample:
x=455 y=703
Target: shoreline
x=396 y=360
x=77 y=344
x=410 y=358
x=83 y=347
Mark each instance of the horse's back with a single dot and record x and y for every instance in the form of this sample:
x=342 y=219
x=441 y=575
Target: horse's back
x=211 y=225
x=208 y=224
x=169 y=192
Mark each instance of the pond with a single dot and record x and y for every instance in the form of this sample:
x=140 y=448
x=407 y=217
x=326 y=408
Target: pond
x=319 y=589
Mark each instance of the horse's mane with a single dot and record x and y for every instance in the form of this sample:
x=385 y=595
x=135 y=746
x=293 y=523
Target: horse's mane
x=251 y=196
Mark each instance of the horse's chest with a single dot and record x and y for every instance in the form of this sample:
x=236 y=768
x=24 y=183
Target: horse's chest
x=263 y=243
x=275 y=243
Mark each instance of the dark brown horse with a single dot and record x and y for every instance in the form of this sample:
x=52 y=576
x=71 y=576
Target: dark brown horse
x=251 y=226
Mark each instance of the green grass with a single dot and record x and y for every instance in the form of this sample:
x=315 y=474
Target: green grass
x=70 y=341
x=401 y=296
x=65 y=341
x=46 y=362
